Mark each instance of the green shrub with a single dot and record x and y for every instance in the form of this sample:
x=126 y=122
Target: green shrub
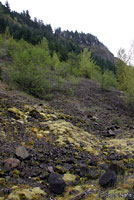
x=108 y=80
x=29 y=69
x=88 y=68
x=130 y=89
x=125 y=75
x=3 y=47
x=63 y=69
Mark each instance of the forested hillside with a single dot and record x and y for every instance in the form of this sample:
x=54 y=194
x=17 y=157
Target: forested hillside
x=62 y=42
x=44 y=61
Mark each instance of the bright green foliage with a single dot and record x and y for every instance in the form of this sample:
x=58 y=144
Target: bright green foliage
x=3 y=47
x=85 y=64
x=44 y=51
x=108 y=80
x=55 y=61
x=63 y=69
x=125 y=75
x=122 y=74
x=87 y=67
x=29 y=68
x=130 y=91
x=73 y=61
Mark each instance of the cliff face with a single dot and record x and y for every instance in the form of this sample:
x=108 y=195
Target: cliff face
x=103 y=53
x=89 y=41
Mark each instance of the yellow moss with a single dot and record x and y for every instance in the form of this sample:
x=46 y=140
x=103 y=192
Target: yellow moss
x=117 y=194
x=21 y=121
x=44 y=115
x=29 y=194
x=105 y=153
x=130 y=181
x=68 y=178
x=16 y=173
x=27 y=107
x=46 y=132
x=123 y=145
x=2 y=182
x=39 y=135
x=65 y=131
x=2 y=134
x=16 y=111
x=92 y=197
x=34 y=129
x=80 y=189
x=36 y=179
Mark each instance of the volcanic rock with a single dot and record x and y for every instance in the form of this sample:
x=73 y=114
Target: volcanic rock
x=108 y=179
x=57 y=184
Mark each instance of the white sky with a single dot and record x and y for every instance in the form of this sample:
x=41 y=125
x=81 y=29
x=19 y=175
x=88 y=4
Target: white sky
x=110 y=20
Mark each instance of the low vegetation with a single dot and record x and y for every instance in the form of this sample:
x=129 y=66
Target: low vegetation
x=40 y=68
x=35 y=71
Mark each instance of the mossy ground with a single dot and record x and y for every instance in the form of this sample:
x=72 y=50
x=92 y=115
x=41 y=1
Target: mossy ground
x=66 y=140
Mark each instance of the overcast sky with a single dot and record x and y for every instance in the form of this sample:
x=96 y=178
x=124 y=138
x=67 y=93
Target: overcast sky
x=112 y=21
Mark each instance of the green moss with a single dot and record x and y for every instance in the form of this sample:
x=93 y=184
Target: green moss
x=69 y=178
x=16 y=173
x=2 y=182
x=117 y=194
x=28 y=194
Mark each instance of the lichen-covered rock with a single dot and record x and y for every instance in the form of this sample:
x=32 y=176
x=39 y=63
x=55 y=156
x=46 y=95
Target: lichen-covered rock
x=57 y=184
x=28 y=194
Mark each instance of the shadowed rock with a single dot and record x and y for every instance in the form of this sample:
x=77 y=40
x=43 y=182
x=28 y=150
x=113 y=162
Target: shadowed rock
x=57 y=184
x=118 y=167
x=108 y=179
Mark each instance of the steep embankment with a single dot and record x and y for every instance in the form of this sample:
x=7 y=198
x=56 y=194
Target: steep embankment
x=46 y=153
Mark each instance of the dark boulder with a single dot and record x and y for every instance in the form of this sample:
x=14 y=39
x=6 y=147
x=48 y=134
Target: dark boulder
x=57 y=184
x=108 y=179
x=35 y=114
x=84 y=171
x=118 y=167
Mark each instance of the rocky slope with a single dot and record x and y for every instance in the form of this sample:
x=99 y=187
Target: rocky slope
x=74 y=147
